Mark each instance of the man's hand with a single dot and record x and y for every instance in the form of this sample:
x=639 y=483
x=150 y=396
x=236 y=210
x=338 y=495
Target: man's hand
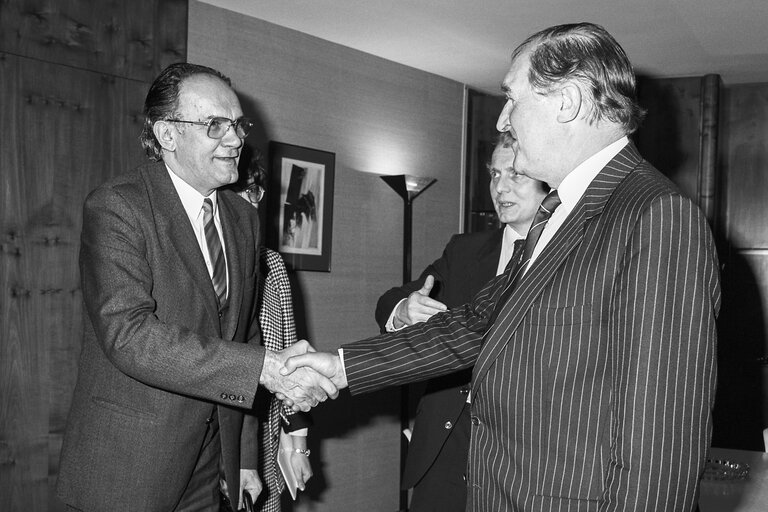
x=249 y=481
x=418 y=307
x=302 y=389
x=322 y=362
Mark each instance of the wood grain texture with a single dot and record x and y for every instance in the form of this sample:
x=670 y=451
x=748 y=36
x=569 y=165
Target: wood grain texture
x=670 y=136
x=741 y=410
x=69 y=119
x=746 y=165
x=377 y=117
x=61 y=138
x=128 y=39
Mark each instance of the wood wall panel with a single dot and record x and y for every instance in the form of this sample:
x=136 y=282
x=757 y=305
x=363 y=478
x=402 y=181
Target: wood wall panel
x=377 y=117
x=133 y=39
x=61 y=138
x=746 y=166
x=69 y=120
x=741 y=411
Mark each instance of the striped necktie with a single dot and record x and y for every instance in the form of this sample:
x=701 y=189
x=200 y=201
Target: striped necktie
x=545 y=211
x=515 y=270
x=219 y=277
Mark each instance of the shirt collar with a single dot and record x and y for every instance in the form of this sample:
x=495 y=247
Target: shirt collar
x=191 y=199
x=575 y=184
x=510 y=235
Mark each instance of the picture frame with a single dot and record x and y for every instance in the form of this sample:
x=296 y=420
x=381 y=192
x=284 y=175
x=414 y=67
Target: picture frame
x=301 y=205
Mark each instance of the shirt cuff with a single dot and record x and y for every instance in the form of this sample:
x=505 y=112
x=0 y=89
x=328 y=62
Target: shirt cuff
x=341 y=358
x=390 y=325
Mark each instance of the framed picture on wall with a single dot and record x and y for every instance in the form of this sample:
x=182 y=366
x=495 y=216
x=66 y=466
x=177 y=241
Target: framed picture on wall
x=301 y=205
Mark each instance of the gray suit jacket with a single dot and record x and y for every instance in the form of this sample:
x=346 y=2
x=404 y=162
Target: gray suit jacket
x=594 y=387
x=157 y=356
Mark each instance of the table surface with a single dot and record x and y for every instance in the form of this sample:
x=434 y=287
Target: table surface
x=747 y=495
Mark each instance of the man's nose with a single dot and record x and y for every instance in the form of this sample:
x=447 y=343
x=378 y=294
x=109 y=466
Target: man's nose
x=502 y=124
x=502 y=185
x=231 y=139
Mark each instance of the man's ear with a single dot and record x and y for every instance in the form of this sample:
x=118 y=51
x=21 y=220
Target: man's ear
x=165 y=134
x=570 y=103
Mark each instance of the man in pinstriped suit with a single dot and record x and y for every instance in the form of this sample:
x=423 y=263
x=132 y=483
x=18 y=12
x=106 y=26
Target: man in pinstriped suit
x=593 y=388
x=437 y=452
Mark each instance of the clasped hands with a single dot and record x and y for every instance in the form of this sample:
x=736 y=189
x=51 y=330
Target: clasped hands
x=302 y=377
x=307 y=377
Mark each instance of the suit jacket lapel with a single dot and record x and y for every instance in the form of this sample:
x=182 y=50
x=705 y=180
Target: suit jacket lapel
x=173 y=224
x=488 y=258
x=543 y=270
x=235 y=240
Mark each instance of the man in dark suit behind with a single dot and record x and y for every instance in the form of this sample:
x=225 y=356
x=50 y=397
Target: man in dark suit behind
x=171 y=355
x=594 y=364
x=437 y=452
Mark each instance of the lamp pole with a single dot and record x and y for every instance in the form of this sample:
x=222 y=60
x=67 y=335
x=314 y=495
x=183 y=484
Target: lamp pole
x=409 y=188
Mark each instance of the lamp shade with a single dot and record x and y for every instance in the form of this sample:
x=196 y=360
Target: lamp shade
x=408 y=187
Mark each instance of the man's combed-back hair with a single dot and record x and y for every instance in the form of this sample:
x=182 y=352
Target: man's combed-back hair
x=163 y=100
x=588 y=54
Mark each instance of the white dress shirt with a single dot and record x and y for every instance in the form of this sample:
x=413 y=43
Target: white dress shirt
x=572 y=188
x=192 y=200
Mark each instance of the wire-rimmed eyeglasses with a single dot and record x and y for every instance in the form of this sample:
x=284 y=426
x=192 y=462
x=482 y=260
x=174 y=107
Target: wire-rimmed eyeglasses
x=218 y=126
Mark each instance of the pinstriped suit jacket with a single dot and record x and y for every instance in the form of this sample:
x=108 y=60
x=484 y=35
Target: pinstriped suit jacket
x=593 y=389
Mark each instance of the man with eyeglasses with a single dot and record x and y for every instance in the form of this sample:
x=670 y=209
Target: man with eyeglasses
x=171 y=354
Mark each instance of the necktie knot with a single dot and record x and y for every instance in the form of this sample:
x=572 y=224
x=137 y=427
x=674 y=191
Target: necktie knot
x=519 y=262
x=207 y=207
x=549 y=204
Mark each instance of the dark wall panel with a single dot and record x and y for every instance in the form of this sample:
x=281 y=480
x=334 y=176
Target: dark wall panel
x=72 y=84
x=742 y=408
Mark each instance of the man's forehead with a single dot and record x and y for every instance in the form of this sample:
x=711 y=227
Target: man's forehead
x=517 y=73
x=503 y=157
x=206 y=91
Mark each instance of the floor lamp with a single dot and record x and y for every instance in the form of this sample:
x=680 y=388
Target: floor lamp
x=409 y=188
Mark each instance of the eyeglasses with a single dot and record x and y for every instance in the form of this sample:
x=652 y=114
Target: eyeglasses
x=255 y=193
x=218 y=126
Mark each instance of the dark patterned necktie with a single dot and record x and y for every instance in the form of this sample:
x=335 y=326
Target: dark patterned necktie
x=516 y=268
x=219 y=277
x=517 y=253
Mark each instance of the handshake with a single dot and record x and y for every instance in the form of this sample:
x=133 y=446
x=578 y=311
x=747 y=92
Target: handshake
x=302 y=377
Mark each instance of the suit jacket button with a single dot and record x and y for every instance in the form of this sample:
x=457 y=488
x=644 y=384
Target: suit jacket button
x=223 y=396
x=475 y=420
x=232 y=397
x=448 y=425
x=220 y=315
x=241 y=399
x=209 y=420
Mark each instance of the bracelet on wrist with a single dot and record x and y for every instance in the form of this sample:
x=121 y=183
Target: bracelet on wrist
x=301 y=451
